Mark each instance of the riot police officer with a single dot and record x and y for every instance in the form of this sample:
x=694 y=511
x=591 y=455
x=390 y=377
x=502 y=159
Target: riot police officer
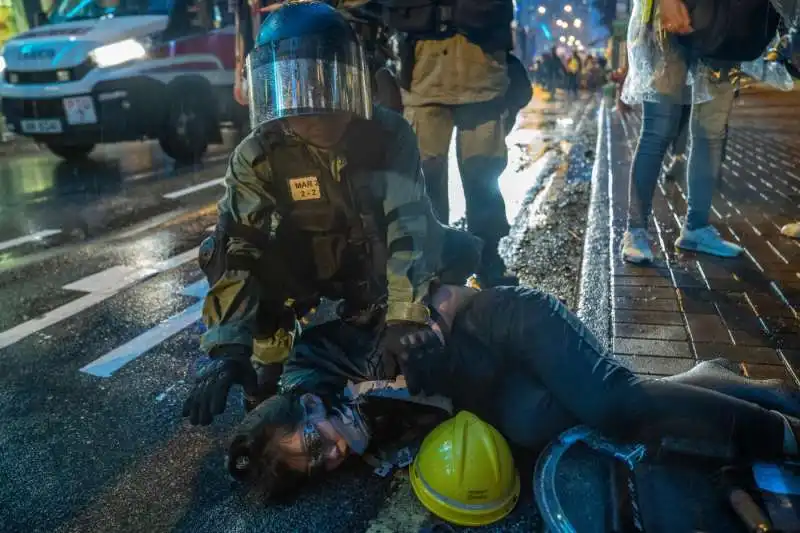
x=325 y=198
x=454 y=63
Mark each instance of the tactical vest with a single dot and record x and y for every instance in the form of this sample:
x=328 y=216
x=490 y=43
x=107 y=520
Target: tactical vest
x=328 y=233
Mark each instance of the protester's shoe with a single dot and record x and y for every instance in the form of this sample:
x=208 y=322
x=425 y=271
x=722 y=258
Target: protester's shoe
x=707 y=240
x=636 y=246
x=676 y=168
x=268 y=378
x=792 y=230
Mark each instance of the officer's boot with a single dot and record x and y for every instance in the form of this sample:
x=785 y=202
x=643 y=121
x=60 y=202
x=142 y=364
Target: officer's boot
x=268 y=377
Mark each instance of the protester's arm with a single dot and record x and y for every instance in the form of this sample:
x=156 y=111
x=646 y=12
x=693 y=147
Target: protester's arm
x=232 y=304
x=410 y=225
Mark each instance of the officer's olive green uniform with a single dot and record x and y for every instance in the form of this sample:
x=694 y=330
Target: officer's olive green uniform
x=300 y=199
x=456 y=83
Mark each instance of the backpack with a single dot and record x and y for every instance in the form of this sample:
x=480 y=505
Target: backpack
x=730 y=30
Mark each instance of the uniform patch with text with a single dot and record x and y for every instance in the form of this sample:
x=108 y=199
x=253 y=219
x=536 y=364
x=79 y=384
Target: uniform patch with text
x=306 y=188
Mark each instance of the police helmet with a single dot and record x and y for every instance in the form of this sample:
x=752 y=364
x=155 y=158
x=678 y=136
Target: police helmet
x=307 y=60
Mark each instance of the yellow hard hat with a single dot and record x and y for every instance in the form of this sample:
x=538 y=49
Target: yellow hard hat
x=464 y=472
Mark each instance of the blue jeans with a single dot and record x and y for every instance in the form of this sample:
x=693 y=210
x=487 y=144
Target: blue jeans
x=660 y=126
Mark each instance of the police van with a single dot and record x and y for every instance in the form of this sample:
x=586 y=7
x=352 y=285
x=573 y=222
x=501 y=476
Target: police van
x=106 y=71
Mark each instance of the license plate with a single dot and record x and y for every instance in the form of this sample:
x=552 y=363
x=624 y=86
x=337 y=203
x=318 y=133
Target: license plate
x=41 y=126
x=80 y=110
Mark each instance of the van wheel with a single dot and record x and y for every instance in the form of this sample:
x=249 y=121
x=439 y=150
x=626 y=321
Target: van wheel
x=187 y=132
x=70 y=152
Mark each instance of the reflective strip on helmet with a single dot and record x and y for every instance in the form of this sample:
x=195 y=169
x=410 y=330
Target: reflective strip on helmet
x=487 y=506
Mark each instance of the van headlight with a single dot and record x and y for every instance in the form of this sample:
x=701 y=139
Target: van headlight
x=113 y=54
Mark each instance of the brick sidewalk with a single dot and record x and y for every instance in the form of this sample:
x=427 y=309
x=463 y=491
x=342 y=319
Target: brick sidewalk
x=690 y=307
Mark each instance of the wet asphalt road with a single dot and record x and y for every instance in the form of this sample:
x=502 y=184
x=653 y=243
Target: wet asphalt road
x=97 y=334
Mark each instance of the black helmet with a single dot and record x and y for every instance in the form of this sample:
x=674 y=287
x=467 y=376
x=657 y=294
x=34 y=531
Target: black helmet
x=307 y=61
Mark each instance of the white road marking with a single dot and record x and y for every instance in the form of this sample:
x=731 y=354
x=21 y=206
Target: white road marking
x=194 y=188
x=109 y=280
x=101 y=287
x=33 y=237
x=106 y=365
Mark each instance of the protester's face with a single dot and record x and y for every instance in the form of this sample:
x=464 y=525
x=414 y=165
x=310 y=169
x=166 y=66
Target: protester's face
x=296 y=455
x=320 y=130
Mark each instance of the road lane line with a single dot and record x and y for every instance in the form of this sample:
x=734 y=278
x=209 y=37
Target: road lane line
x=101 y=287
x=194 y=188
x=106 y=365
x=33 y=237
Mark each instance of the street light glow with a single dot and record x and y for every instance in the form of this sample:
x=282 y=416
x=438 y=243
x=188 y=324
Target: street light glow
x=577 y=23
x=568 y=8
x=562 y=39
x=542 y=10
x=559 y=22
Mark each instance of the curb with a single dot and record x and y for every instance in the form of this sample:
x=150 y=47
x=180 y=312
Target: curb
x=594 y=304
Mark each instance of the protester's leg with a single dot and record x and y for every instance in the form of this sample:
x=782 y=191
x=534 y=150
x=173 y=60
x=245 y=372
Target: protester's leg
x=433 y=125
x=708 y=128
x=675 y=167
x=681 y=143
x=599 y=392
x=659 y=127
x=482 y=157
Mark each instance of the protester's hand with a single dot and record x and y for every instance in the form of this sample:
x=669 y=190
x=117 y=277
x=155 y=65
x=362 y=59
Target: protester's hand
x=419 y=353
x=675 y=17
x=213 y=382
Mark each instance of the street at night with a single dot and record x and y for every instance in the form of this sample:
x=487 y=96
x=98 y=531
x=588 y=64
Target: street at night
x=100 y=329
x=399 y=266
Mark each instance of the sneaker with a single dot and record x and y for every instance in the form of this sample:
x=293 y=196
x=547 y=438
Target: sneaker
x=636 y=246
x=792 y=230
x=707 y=240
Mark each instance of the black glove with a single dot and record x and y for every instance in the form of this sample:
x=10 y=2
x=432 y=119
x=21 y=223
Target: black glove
x=229 y=366
x=419 y=352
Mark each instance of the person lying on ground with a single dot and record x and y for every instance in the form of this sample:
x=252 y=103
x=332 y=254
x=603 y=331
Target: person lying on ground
x=519 y=359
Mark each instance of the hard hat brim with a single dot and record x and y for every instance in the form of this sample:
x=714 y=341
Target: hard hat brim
x=458 y=513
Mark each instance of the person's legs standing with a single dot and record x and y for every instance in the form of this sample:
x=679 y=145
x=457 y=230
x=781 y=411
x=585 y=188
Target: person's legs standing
x=708 y=128
x=433 y=125
x=482 y=157
x=659 y=127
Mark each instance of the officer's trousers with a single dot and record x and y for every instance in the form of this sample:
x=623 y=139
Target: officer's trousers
x=482 y=156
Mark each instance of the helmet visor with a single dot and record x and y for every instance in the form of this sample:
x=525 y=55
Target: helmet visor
x=307 y=76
